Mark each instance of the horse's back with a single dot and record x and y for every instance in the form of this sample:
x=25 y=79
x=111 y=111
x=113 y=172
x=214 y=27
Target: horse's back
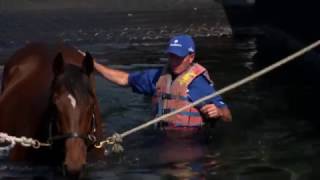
x=34 y=63
x=25 y=94
x=31 y=63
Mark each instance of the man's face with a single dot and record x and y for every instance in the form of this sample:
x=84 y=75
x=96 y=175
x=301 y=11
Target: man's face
x=179 y=64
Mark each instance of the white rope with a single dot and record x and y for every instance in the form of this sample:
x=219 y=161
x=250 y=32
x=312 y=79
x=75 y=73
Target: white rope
x=23 y=141
x=5 y=138
x=228 y=88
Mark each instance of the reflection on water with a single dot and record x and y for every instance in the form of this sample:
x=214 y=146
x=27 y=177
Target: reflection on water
x=183 y=158
x=259 y=144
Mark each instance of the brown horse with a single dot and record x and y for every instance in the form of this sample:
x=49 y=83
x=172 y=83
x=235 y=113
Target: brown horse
x=48 y=93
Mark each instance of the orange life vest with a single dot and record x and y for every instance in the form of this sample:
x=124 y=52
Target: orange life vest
x=171 y=95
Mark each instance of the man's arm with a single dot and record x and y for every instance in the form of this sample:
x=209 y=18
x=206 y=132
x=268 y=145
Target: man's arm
x=212 y=111
x=116 y=76
x=214 y=108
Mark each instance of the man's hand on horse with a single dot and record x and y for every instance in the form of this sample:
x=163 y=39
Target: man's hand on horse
x=211 y=111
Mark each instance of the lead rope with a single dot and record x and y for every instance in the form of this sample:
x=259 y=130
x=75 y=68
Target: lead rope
x=116 y=139
x=23 y=141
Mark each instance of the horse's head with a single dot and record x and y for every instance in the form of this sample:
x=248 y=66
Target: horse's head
x=74 y=101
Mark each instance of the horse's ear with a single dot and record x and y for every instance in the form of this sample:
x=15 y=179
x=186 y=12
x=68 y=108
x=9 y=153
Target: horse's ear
x=87 y=64
x=58 y=64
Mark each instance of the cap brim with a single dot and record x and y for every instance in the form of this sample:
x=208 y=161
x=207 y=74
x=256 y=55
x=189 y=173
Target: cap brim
x=177 y=51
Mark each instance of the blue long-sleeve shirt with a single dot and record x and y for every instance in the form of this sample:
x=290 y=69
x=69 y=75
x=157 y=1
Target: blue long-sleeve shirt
x=144 y=82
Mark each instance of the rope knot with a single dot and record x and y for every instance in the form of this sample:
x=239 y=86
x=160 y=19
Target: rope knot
x=3 y=137
x=117 y=139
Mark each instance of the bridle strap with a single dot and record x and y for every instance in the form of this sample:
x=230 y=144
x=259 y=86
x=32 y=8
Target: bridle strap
x=93 y=123
x=88 y=138
x=68 y=135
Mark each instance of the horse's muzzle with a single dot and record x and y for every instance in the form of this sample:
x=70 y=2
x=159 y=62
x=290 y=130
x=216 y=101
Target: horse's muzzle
x=75 y=157
x=72 y=173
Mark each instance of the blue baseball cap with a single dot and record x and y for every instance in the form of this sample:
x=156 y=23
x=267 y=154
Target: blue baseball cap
x=181 y=45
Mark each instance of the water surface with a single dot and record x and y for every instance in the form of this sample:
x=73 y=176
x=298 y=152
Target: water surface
x=264 y=141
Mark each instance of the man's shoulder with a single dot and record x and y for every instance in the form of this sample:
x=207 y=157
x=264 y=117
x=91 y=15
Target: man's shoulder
x=147 y=71
x=154 y=70
x=143 y=81
x=201 y=80
x=149 y=74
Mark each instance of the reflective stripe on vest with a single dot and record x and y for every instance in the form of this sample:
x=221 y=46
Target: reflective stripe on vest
x=172 y=95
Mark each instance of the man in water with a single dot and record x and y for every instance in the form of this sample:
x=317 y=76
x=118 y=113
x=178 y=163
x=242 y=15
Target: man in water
x=173 y=86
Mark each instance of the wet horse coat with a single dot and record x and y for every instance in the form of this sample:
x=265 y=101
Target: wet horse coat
x=37 y=93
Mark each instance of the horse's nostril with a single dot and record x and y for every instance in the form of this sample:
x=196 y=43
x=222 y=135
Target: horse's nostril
x=75 y=156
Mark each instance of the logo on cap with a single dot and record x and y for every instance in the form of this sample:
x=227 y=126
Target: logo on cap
x=176 y=43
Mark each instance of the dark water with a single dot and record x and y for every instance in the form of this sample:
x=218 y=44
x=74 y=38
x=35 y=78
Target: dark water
x=265 y=140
